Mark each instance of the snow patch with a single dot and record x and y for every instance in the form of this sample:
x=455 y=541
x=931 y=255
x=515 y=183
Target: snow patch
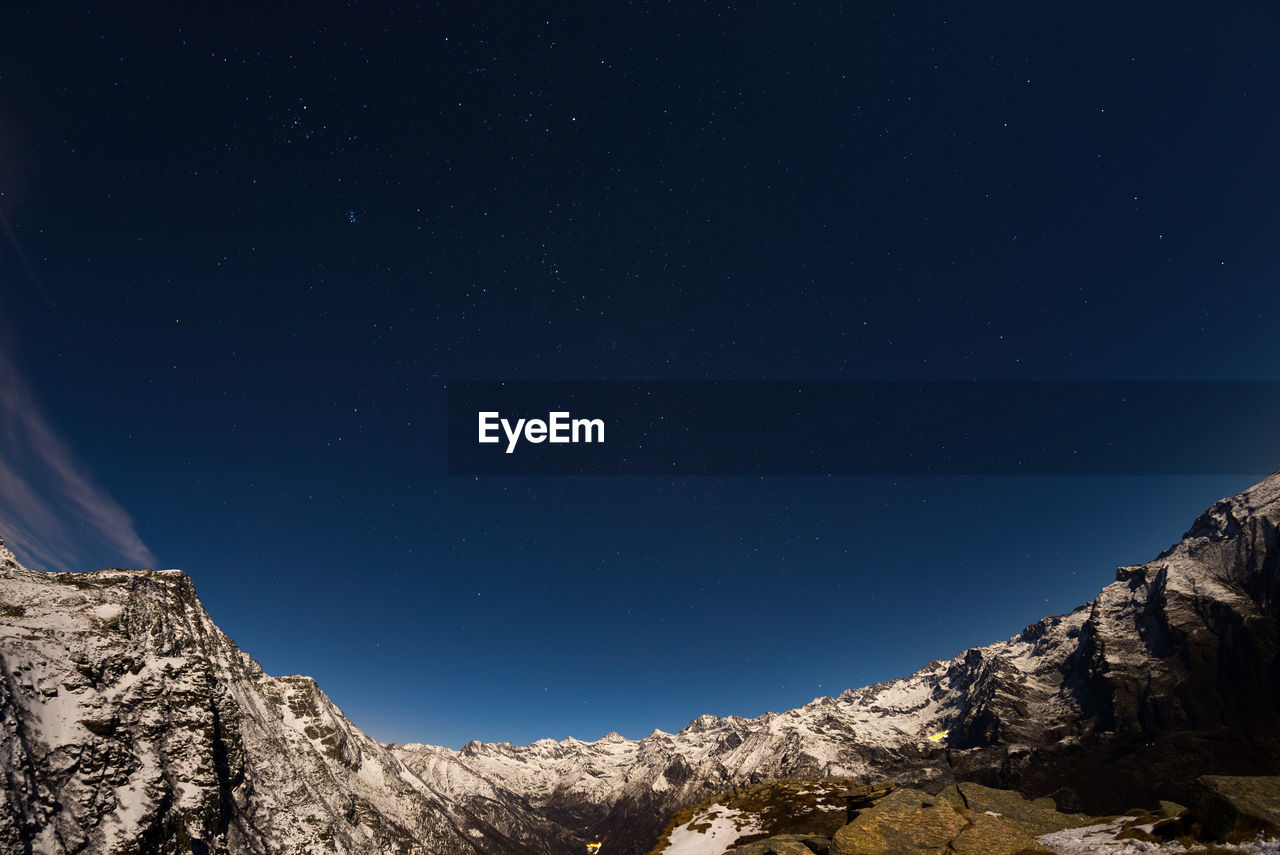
x=107 y=611
x=1101 y=840
x=727 y=826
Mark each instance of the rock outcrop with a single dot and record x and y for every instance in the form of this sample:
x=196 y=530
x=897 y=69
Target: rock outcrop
x=130 y=723
x=969 y=819
x=838 y=817
x=1233 y=808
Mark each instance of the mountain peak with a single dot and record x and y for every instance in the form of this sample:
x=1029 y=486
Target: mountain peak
x=125 y=671
x=1141 y=659
x=704 y=722
x=1225 y=519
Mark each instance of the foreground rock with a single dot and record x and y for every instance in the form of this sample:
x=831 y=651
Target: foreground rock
x=797 y=817
x=929 y=826
x=838 y=817
x=952 y=821
x=1033 y=817
x=1235 y=808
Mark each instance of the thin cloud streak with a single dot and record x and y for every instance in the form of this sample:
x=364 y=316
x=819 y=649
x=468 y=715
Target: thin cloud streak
x=51 y=509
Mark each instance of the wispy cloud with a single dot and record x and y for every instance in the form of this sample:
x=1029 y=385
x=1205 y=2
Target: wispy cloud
x=52 y=512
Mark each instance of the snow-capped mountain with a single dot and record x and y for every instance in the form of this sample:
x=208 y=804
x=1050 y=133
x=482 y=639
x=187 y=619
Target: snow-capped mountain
x=130 y=723
x=1171 y=672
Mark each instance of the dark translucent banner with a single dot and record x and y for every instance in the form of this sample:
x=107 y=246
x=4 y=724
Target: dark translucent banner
x=863 y=428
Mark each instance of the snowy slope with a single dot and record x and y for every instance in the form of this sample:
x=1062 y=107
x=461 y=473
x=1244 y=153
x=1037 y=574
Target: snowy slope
x=127 y=718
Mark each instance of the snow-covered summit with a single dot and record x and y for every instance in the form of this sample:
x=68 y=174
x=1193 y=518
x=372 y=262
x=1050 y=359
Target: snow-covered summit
x=127 y=717
x=1133 y=660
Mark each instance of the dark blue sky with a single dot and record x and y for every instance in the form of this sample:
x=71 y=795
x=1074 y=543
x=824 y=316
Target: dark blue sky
x=244 y=252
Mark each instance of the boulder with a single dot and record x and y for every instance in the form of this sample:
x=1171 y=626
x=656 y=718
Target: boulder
x=772 y=846
x=894 y=830
x=785 y=844
x=989 y=835
x=1233 y=807
x=902 y=798
x=1037 y=817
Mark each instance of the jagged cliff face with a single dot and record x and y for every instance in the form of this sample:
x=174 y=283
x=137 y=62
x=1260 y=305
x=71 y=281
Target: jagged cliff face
x=1171 y=672
x=129 y=723
x=1189 y=641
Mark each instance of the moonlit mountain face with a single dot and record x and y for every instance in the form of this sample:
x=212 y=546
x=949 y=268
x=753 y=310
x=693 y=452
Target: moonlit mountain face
x=129 y=722
x=1170 y=673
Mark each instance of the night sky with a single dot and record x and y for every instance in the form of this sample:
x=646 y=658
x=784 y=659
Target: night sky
x=245 y=250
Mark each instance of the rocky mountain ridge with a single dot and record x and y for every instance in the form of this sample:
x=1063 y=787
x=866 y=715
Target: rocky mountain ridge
x=130 y=723
x=1178 y=655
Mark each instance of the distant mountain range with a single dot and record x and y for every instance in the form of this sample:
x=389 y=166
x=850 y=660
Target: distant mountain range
x=130 y=723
